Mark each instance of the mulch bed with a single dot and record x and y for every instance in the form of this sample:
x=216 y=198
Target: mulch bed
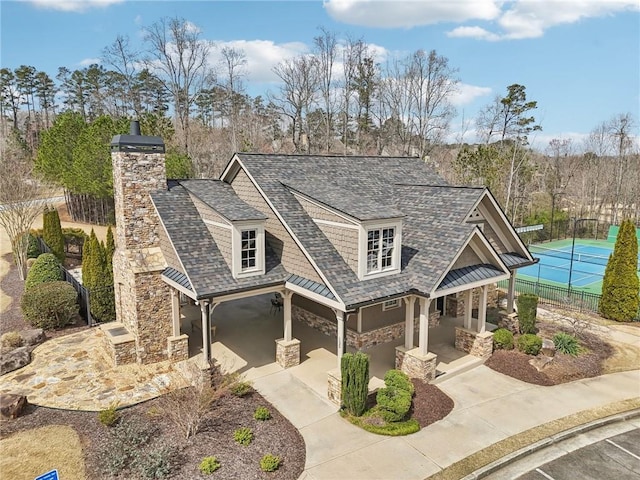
x=276 y=436
x=430 y=404
x=563 y=368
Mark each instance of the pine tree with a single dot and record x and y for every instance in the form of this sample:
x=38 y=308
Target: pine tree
x=57 y=237
x=620 y=287
x=110 y=247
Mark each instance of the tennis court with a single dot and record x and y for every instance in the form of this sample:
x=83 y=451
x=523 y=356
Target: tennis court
x=590 y=259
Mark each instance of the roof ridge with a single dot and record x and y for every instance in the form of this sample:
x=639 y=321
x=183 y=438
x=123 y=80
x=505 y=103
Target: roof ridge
x=466 y=187
x=332 y=155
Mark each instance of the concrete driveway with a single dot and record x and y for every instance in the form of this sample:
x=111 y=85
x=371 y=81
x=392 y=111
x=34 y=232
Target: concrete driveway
x=489 y=407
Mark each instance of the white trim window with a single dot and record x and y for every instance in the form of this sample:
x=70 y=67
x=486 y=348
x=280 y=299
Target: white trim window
x=380 y=249
x=248 y=250
x=391 y=304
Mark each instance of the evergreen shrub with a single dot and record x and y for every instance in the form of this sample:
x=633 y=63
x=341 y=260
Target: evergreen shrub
x=355 y=382
x=46 y=268
x=398 y=379
x=530 y=344
x=394 y=403
x=270 y=463
x=527 y=311
x=50 y=305
x=502 y=339
x=567 y=344
x=209 y=465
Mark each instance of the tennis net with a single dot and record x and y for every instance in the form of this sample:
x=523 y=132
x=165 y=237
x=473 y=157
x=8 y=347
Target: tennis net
x=577 y=257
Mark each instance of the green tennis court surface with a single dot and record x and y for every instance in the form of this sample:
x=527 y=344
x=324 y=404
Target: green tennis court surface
x=590 y=259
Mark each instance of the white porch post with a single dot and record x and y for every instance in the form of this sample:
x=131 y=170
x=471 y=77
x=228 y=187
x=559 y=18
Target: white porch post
x=409 y=303
x=175 y=312
x=511 y=293
x=206 y=330
x=287 y=294
x=444 y=306
x=468 y=308
x=341 y=335
x=482 y=308
x=423 y=337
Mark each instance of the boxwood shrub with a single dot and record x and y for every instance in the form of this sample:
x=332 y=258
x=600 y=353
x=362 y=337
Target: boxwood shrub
x=50 y=305
x=529 y=343
x=45 y=269
x=394 y=403
x=502 y=339
x=398 y=379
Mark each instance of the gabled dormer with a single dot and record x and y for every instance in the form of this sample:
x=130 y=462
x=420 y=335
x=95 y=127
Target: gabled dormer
x=368 y=236
x=237 y=228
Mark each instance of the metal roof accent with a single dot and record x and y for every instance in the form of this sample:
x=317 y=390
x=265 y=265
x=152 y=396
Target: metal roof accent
x=471 y=274
x=177 y=277
x=312 y=286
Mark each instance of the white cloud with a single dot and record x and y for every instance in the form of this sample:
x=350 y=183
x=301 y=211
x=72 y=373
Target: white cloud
x=261 y=55
x=191 y=27
x=72 y=5
x=89 y=61
x=530 y=18
x=410 y=13
x=138 y=20
x=466 y=94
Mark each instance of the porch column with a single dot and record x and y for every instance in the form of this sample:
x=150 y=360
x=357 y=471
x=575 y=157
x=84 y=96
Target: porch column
x=482 y=308
x=175 y=312
x=409 y=303
x=423 y=337
x=468 y=308
x=444 y=306
x=511 y=292
x=342 y=335
x=206 y=330
x=287 y=294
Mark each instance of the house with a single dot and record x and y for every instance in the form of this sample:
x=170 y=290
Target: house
x=346 y=241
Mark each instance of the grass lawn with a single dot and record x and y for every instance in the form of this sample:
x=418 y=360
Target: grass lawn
x=25 y=455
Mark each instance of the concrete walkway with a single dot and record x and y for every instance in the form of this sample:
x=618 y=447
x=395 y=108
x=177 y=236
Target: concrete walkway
x=489 y=407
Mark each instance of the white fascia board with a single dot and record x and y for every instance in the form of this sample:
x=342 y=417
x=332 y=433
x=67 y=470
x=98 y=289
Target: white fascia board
x=231 y=169
x=246 y=294
x=179 y=287
x=303 y=292
x=469 y=286
x=184 y=270
x=288 y=229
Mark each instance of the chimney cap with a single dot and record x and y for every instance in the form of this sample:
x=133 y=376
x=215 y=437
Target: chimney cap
x=134 y=142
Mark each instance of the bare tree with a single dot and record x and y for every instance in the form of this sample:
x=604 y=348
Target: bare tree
x=298 y=91
x=234 y=62
x=19 y=200
x=124 y=60
x=620 y=128
x=179 y=56
x=326 y=50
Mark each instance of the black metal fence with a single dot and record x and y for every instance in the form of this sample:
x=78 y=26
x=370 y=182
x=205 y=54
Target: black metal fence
x=574 y=300
x=84 y=298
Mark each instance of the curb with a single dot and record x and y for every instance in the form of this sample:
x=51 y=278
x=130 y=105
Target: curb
x=545 y=442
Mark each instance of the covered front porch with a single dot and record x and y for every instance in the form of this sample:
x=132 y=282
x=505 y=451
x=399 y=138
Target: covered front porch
x=244 y=334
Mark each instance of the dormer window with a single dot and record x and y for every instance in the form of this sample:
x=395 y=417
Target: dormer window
x=248 y=250
x=380 y=245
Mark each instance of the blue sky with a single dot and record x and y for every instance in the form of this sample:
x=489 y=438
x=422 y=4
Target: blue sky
x=579 y=59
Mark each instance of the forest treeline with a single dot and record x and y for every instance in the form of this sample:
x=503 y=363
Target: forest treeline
x=336 y=99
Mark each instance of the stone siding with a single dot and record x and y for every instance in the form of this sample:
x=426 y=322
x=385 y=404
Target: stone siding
x=284 y=246
x=334 y=386
x=178 y=348
x=288 y=353
x=135 y=175
x=455 y=302
x=509 y=321
x=119 y=343
x=415 y=365
x=474 y=343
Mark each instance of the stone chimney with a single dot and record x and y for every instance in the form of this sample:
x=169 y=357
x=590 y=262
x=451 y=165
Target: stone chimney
x=143 y=300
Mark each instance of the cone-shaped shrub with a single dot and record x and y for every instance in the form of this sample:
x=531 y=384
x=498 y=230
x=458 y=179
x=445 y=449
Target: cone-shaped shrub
x=527 y=311
x=52 y=233
x=46 y=268
x=620 y=285
x=355 y=382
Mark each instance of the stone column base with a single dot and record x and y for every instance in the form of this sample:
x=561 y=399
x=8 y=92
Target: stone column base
x=196 y=371
x=411 y=362
x=288 y=352
x=509 y=321
x=334 y=391
x=474 y=343
x=178 y=348
x=119 y=343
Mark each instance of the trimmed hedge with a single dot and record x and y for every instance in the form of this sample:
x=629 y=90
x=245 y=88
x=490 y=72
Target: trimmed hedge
x=45 y=269
x=502 y=339
x=527 y=312
x=399 y=379
x=394 y=403
x=530 y=344
x=50 y=305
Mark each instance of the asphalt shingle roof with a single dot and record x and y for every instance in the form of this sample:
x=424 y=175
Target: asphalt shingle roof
x=204 y=265
x=221 y=197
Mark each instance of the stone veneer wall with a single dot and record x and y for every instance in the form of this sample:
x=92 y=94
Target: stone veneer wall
x=474 y=343
x=455 y=303
x=334 y=386
x=288 y=353
x=416 y=365
x=178 y=348
x=354 y=339
x=143 y=301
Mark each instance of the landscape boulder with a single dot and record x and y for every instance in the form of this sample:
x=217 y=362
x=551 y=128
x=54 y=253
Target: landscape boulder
x=14 y=359
x=35 y=336
x=548 y=348
x=11 y=405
